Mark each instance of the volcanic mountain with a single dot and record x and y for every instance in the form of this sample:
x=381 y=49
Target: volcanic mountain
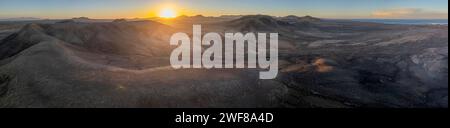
x=114 y=64
x=323 y=63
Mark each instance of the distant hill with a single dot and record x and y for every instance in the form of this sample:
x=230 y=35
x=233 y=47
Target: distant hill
x=295 y=19
x=257 y=23
x=20 y=19
x=120 y=38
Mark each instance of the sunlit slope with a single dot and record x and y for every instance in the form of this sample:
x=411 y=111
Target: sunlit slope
x=115 y=65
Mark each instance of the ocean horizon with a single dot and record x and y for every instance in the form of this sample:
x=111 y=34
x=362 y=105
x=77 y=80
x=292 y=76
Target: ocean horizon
x=406 y=21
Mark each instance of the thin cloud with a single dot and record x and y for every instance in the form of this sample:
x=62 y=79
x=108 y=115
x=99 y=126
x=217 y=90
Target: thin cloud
x=409 y=13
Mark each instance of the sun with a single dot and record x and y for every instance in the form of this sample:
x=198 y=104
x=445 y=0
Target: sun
x=167 y=13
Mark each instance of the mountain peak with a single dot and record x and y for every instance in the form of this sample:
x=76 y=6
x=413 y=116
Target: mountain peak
x=292 y=19
x=81 y=18
x=257 y=22
x=309 y=18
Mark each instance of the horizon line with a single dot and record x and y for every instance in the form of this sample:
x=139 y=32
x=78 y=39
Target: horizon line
x=237 y=15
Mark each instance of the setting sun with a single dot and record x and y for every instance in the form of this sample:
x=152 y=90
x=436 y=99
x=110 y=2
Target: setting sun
x=167 y=13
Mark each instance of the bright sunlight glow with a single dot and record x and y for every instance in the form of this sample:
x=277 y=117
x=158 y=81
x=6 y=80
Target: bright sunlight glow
x=167 y=13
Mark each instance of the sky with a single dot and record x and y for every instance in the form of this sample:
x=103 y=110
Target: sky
x=338 y=9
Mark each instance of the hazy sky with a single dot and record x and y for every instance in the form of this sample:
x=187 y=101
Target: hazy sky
x=430 y=9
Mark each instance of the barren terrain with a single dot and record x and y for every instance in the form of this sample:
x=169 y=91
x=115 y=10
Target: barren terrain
x=323 y=63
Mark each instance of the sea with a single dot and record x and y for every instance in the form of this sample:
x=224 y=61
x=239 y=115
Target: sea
x=407 y=21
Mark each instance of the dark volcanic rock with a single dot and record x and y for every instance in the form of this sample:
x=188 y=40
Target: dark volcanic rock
x=323 y=63
x=257 y=23
x=116 y=65
x=30 y=35
x=4 y=81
